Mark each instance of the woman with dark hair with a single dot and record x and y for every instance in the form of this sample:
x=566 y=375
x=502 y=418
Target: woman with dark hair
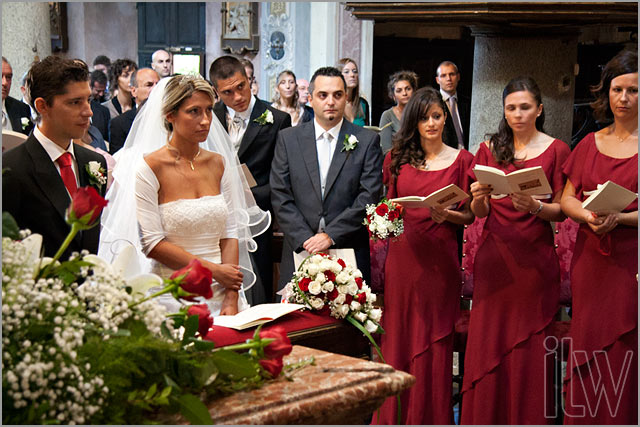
x=422 y=271
x=286 y=98
x=516 y=271
x=357 y=108
x=401 y=86
x=604 y=325
x=119 y=77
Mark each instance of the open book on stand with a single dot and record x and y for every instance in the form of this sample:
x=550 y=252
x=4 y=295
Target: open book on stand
x=443 y=197
x=256 y=315
x=609 y=197
x=528 y=181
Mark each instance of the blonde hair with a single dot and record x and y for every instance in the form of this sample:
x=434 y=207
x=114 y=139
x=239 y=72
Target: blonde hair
x=179 y=89
x=280 y=103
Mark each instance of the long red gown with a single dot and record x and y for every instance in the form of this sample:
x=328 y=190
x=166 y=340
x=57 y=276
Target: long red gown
x=602 y=371
x=422 y=298
x=508 y=376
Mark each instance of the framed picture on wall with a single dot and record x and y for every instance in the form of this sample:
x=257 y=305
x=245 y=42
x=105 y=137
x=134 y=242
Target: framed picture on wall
x=240 y=25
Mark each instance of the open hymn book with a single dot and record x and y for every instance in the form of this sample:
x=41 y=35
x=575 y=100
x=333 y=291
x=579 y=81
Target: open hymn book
x=442 y=198
x=528 y=181
x=256 y=315
x=609 y=197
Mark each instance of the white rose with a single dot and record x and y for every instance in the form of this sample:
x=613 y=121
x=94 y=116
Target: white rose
x=343 y=277
x=315 y=288
x=343 y=289
x=313 y=269
x=320 y=278
x=352 y=139
x=371 y=297
x=269 y=118
x=360 y=316
x=317 y=303
x=372 y=227
x=357 y=273
x=370 y=326
x=375 y=314
x=335 y=267
x=343 y=310
x=355 y=305
x=353 y=288
x=325 y=264
x=339 y=299
x=327 y=287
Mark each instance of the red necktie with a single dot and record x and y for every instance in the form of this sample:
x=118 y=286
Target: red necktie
x=66 y=172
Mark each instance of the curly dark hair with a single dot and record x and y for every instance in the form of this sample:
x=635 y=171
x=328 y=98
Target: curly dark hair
x=118 y=66
x=398 y=76
x=625 y=62
x=501 y=142
x=406 y=142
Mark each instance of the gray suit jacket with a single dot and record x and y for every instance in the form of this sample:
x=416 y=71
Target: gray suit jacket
x=353 y=181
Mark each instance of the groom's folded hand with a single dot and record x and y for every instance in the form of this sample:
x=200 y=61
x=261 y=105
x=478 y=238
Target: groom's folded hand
x=318 y=243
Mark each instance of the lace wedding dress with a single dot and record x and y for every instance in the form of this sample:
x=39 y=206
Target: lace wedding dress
x=195 y=225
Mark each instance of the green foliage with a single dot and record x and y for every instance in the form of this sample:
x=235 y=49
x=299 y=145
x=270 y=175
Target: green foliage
x=10 y=226
x=194 y=410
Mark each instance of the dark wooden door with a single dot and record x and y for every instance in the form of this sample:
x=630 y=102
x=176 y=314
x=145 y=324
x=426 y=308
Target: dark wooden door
x=175 y=27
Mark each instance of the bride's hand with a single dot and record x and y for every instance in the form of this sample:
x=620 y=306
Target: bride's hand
x=228 y=276
x=229 y=304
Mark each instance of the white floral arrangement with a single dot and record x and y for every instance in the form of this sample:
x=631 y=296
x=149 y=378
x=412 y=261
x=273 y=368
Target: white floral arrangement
x=350 y=143
x=97 y=174
x=329 y=286
x=265 y=118
x=384 y=220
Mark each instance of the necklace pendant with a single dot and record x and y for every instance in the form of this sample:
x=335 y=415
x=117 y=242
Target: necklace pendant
x=191 y=164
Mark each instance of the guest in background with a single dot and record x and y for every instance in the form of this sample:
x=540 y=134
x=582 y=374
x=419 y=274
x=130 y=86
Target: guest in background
x=119 y=76
x=456 y=131
x=102 y=63
x=303 y=95
x=604 y=284
x=98 y=84
x=16 y=115
x=248 y=68
x=161 y=63
x=508 y=377
x=401 y=86
x=422 y=271
x=141 y=83
x=286 y=98
x=101 y=116
x=357 y=108
x=23 y=80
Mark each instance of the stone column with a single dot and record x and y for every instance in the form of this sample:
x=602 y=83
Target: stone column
x=26 y=37
x=549 y=60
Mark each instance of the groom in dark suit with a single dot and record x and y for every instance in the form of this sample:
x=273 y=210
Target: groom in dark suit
x=44 y=171
x=253 y=126
x=324 y=173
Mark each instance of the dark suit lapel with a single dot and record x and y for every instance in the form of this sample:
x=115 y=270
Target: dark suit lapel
x=307 y=143
x=253 y=128
x=339 y=157
x=82 y=161
x=47 y=177
x=220 y=110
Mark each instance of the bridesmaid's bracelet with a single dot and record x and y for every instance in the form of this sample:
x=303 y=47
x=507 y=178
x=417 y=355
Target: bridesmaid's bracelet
x=537 y=211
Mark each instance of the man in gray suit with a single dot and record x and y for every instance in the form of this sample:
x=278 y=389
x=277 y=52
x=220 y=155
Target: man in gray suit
x=324 y=173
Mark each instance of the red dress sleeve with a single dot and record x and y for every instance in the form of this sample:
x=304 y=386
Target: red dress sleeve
x=466 y=161
x=562 y=152
x=481 y=158
x=573 y=165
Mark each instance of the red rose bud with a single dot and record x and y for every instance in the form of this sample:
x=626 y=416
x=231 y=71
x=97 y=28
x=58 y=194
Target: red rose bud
x=86 y=207
x=304 y=284
x=272 y=366
x=382 y=209
x=361 y=298
x=342 y=263
x=347 y=299
x=359 y=282
x=393 y=215
x=204 y=317
x=197 y=279
x=330 y=276
x=333 y=294
x=279 y=347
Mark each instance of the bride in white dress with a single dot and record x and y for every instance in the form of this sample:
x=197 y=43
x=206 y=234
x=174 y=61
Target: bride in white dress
x=190 y=201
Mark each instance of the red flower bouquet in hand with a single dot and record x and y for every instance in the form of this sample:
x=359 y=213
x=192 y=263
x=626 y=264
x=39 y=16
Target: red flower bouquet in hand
x=384 y=220
x=195 y=279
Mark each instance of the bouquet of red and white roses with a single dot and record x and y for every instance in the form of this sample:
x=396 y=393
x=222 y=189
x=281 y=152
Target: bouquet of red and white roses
x=329 y=286
x=384 y=220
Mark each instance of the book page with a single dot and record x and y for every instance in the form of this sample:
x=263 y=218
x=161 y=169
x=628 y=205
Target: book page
x=446 y=196
x=494 y=177
x=256 y=315
x=610 y=197
x=529 y=181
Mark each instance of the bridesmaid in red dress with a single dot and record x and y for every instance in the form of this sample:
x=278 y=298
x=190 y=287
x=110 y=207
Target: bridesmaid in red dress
x=422 y=271
x=604 y=326
x=508 y=379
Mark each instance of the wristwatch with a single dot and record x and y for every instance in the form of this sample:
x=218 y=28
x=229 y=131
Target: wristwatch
x=537 y=211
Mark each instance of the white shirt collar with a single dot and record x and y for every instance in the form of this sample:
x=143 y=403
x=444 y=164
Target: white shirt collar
x=53 y=150
x=334 y=131
x=243 y=114
x=446 y=96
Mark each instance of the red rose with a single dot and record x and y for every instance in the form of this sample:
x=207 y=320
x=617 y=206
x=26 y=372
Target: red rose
x=359 y=282
x=197 y=279
x=342 y=263
x=86 y=207
x=304 y=284
x=347 y=299
x=279 y=347
x=393 y=215
x=272 y=366
x=330 y=276
x=362 y=298
x=382 y=209
x=204 y=317
x=333 y=294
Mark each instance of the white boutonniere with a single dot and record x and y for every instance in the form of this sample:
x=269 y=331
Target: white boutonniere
x=265 y=118
x=350 y=142
x=25 y=122
x=97 y=174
